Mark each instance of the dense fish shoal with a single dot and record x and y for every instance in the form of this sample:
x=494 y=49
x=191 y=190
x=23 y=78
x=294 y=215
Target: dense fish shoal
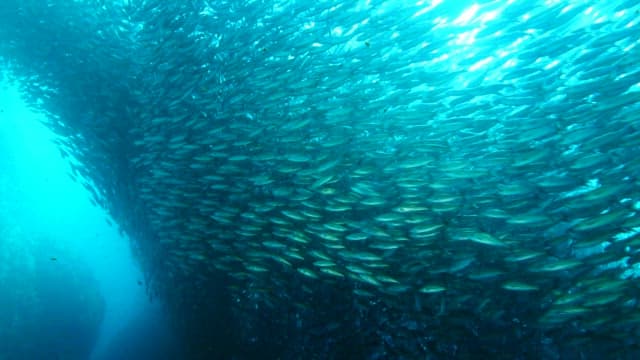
x=439 y=179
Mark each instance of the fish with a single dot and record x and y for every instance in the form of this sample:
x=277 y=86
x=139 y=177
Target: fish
x=362 y=164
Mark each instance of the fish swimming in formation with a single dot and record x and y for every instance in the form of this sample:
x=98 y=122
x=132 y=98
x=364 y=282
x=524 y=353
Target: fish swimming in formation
x=465 y=170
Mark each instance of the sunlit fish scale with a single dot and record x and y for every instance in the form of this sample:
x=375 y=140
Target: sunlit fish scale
x=332 y=272
x=519 y=255
x=202 y=158
x=264 y=157
x=197 y=256
x=335 y=226
x=386 y=279
x=291 y=138
x=356 y=269
x=332 y=237
x=348 y=199
x=442 y=198
x=584 y=162
x=296 y=124
x=495 y=214
x=601 y=299
x=515 y=189
x=617 y=102
x=281 y=260
x=471 y=173
x=318 y=255
x=261 y=180
x=410 y=184
x=518 y=286
x=271 y=244
x=606 y=192
x=432 y=289
x=292 y=214
x=530 y=157
x=476 y=237
x=604 y=259
x=461 y=263
x=555 y=182
x=229 y=169
x=374 y=201
x=221 y=219
x=308 y=273
x=542 y=131
x=453 y=165
x=303 y=177
x=559 y=265
x=213 y=178
x=333 y=142
x=366 y=278
x=376 y=232
x=256 y=268
x=357 y=237
x=578 y=135
x=236 y=158
x=568 y=298
x=364 y=189
x=413 y=163
x=396 y=289
x=329 y=165
x=409 y=208
x=604 y=285
x=363 y=171
x=288 y=169
x=294 y=236
x=324 y=263
x=577 y=204
x=246 y=233
x=422 y=239
x=485 y=274
x=426 y=228
x=363 y=293
x=530 y=220
x=279 y=221
x=362 y=256
x=561 y=314
x=389 y=218
x=611 y=218
x=321 y=181
x=293 y=254
x=337 y=208
x=384 y=245
x=606 y=140
x=334 y=246
x=301 y=195
x=311 y=214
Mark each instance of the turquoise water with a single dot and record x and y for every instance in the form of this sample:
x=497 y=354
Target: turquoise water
x=330 y=179
x=54 y=235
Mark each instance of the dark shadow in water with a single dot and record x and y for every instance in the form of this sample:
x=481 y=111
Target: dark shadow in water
x=146 y=337
x=52 y=308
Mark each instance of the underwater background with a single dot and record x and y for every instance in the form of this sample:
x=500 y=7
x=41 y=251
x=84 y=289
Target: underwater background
x=69 y=286
x=329 y=179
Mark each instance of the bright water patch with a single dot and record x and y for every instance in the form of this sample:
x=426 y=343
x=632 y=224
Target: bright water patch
x=45 y=202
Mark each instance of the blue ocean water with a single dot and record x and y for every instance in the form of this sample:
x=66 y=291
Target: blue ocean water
x=69 y=287
x=322 y=179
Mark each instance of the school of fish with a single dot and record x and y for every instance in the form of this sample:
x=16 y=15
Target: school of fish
x=460 y=175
